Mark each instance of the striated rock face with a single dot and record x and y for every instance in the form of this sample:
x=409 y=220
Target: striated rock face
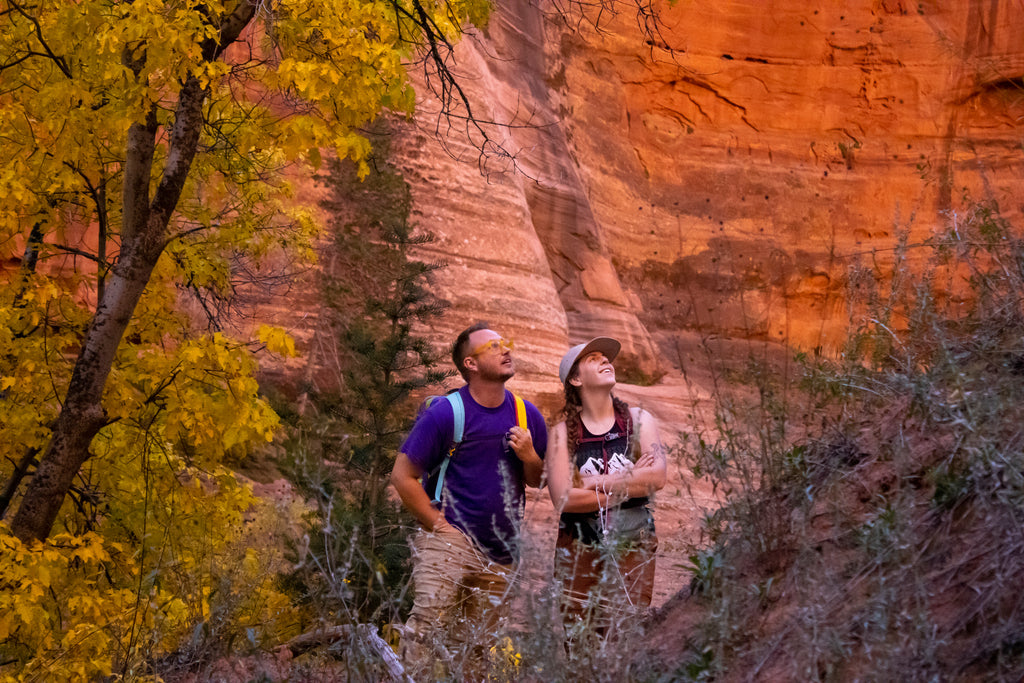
x=720 y=174
x=737 y=176
x=717 y=174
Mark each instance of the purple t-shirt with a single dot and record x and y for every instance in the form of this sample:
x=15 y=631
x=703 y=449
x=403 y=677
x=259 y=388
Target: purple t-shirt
x=483 y=485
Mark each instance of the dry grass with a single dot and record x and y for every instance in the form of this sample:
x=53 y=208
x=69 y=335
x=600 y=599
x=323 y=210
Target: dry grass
x=877 y=536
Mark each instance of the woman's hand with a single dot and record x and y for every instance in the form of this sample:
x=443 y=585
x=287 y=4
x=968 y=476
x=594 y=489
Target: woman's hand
x=645 y=460
x=606 y=495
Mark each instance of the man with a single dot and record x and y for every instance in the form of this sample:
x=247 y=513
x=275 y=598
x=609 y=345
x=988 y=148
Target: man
x=467 y=548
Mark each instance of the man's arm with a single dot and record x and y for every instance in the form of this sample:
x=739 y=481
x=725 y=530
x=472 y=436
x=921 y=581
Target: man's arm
x=405 y=476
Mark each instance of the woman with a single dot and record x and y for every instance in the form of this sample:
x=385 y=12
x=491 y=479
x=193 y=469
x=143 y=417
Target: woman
x=605 y=460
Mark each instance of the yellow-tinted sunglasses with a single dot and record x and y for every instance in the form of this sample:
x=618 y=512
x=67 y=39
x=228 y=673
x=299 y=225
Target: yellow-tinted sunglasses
x=493 y=345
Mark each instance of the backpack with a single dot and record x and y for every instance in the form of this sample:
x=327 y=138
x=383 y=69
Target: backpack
x=459 y=427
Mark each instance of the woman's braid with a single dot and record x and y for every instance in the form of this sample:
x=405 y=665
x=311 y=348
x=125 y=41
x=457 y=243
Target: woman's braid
x=573 y=411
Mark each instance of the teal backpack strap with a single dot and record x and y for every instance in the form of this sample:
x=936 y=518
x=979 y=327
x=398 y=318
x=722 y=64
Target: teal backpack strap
x=458 y=427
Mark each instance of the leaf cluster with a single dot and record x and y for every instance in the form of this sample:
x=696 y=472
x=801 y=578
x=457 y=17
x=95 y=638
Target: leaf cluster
x=155 y=511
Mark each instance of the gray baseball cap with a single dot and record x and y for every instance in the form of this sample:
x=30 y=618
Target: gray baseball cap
x=606 y=345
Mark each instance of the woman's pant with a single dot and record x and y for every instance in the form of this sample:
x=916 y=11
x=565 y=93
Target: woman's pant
x=604 y=584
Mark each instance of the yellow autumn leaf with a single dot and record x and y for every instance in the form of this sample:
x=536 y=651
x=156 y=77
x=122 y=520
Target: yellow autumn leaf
x=6 y=624
x=277 y=340
x=251 y=563
x=191 y=354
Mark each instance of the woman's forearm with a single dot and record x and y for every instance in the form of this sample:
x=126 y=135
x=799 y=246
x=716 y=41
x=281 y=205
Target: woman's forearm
x=640 y=481
x=585 y=500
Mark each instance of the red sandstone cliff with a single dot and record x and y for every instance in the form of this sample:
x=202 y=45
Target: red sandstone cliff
x=719 y=175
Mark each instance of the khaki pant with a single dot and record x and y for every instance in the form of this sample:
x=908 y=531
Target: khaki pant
x=458 y=601
x=602 y=585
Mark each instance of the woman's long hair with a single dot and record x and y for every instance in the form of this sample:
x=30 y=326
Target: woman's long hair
x=573 y=410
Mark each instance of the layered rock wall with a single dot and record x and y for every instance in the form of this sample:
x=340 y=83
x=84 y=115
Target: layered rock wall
x=718 y=173
x=721 y=172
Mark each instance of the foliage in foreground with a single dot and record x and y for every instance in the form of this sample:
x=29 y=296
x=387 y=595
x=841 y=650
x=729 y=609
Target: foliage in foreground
x=878 y=536
x=81 y=607
x=153 y=555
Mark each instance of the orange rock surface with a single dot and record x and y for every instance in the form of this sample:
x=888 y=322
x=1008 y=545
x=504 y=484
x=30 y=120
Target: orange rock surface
x=718 y=174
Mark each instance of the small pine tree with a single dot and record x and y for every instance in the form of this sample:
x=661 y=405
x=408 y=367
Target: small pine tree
x=374 y=294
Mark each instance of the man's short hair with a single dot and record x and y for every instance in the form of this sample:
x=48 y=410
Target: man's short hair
x=460 y=349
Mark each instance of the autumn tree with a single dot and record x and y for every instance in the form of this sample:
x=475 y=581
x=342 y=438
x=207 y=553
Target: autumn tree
x=144 y=154
x=165 y=124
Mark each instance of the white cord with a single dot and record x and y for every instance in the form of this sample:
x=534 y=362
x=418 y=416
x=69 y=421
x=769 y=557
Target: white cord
x=603 y=512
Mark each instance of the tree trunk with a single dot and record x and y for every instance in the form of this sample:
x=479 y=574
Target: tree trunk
x=20 y=470
x=145 y=232
x=82 y=415
x=144 y=236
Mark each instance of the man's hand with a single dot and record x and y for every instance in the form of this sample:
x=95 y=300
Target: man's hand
x=440 y=524
x=405 y=476
x=521 y=442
